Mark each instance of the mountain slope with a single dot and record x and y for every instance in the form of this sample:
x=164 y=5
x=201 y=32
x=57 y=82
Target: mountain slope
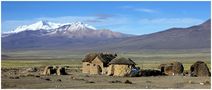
x=194 y=37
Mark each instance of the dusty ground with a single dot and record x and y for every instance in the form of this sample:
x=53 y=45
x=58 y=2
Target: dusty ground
x=18 y=78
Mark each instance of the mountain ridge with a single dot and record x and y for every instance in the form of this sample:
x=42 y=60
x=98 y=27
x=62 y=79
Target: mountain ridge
x=194 y=37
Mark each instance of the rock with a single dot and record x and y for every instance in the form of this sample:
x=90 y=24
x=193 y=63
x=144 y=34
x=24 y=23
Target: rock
x=89 y=82
x=207 y=82
x=199 y=68
x=37 y=76
x=190 y=82
x=72 y=77
x=47 y=79
x=202 y=83
x=16 y=77
x=185 y=73
x=59 y=80
x=116 y=81
x=128 y=82
x=31 y=69
x=147 y=86
x=174 y=68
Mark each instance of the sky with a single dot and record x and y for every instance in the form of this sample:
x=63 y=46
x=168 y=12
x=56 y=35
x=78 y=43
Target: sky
x=138 y=17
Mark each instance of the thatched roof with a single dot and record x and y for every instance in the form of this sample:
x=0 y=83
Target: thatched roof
x=105 y=58
x=89 y=57
x=122 y=60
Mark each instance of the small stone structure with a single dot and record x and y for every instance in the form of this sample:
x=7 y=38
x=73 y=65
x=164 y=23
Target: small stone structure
x=54 y=70
x=96 y=63
x=120 y=66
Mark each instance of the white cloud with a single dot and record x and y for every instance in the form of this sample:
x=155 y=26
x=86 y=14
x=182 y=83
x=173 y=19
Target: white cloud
x=139 y=9
x=145 y=10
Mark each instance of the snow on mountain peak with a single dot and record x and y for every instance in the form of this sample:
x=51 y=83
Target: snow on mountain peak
x=37 y=26
x=46 y=25
x=80 y=26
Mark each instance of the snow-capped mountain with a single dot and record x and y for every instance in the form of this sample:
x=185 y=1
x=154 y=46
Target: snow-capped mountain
x=45 y=34
x=85 y=38
x=45 y=25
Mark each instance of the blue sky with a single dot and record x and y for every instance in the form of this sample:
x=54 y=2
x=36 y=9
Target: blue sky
x=127 y=17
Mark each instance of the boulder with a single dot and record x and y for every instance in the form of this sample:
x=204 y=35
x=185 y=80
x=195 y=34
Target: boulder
x=174 y=68
x=199 y=68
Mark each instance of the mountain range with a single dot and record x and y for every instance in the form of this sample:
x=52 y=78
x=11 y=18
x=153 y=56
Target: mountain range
x=194 y=37
x=80 y=36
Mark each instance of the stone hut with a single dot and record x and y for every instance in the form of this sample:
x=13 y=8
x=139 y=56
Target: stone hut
x=86 y=62
x=120 y=66
x=54 y=70
x=96 y=63
x=171 y=69
x=199 y=68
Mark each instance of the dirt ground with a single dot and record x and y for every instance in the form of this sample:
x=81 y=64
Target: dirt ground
x=19 y=78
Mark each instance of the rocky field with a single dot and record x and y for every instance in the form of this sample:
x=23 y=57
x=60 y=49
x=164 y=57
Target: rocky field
x=20 y=78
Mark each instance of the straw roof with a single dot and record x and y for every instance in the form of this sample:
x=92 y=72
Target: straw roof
x=105 y=58
x=89 y=57
x=122 y=60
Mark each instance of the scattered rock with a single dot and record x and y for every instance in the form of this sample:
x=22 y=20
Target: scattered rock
x=128 y=82
x=29 y=74
x=59 y=80
x=202 y=83
x=37 y=76
x=14 y=77
x=47 y=79
x=89 y=82
x=207 y=82
x=77 y=78
x=147 y=86
x=72 y=77
x=32 y=69
x=185 y=73
x=116 y=81
x=190 y=82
